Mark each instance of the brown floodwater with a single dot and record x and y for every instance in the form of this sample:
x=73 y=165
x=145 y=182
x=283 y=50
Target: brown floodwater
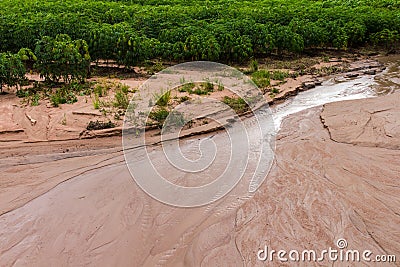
x=389 y=80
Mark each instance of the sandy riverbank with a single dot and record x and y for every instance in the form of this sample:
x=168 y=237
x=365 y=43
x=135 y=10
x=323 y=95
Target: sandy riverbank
x=21 y=122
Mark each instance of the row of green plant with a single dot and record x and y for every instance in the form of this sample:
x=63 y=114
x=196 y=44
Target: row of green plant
x=62 y=58
x=55 y=59
x=131 y=32
x=13 y=68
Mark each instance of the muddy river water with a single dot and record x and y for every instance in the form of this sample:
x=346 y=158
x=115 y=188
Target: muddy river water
x=339 y=89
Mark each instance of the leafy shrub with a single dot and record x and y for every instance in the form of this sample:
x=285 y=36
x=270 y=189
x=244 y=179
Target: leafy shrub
x=63 y=96
x=96 y=102
x=99 y=90
x=162 y=99
x=239 y=105
x=153 y=68
x=103 y=86
x=386 y=37
x=186 y=87
x=27 y=56
x=159 y=115
x=279 y=75
x=121 y=99
x=35 y=100
x=261 y=74
x=12 y=70
x=200 y=91
x=275 y=90
x=170 y=119
x=209 y=86
x=253 y=65
x=261 y=78
x=132 y=32
x=62 y=58
x=30 y=91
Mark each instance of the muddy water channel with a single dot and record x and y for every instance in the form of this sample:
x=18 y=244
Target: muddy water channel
x=340 y=88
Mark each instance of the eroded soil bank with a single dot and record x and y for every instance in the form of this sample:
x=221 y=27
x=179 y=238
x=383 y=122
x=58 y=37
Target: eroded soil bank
x=21 y=122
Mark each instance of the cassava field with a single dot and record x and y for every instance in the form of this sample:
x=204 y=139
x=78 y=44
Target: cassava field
x=131 y=32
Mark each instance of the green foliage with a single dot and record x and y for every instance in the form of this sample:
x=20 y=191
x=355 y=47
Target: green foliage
x=261 y=78
x=386 y=37
x=273 y=92
x=25 y=54
x=62 y=58
x=200 y=91
x=159 y=115
x=186 y=87
x=203 y=88
x=356 y=31
x=133 y=32
x=261 y=74
x=287 y=40
x=253 y=66
x=121 y=98
x=201 y=46
x=162 y=116
x=35 y=100
x=209 y=86
x=220 y=86
x=163 y=98
x=239 y=105
x=279 y=75
x=96 y=101
x=63 y=96
x=153 y=68
x=103 y=86
x=99 y=90
x=12 y=70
